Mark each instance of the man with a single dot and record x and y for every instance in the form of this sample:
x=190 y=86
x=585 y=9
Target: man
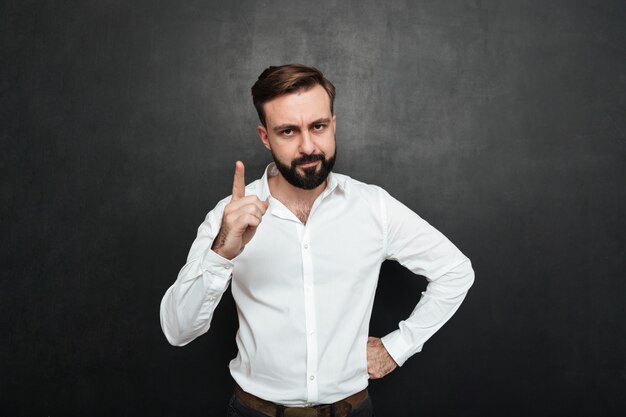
x=302 y=247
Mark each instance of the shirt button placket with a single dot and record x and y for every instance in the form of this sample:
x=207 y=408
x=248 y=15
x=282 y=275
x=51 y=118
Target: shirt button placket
x=310 y=321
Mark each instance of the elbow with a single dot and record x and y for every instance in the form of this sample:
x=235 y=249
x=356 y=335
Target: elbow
x=462 y=276
x=470 y=276
x=471 y=279
x=176 y=341
x=174 y=335
x=182 y=322
x=171 y=327
x=170 y=331
x=179 y=333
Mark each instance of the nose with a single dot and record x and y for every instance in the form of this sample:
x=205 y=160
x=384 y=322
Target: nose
x=307 y=145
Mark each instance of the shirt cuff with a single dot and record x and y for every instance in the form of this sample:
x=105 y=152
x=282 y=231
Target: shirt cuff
x=399 y=350
x=218 y=268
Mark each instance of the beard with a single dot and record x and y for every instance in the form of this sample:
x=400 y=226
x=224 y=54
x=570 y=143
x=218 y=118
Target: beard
x=311 y=177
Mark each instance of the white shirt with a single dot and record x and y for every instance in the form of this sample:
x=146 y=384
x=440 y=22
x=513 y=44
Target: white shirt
x=304 y=292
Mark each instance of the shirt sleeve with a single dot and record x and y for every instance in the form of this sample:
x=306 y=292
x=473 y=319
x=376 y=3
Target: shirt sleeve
x=425 y=251
x=188 y=305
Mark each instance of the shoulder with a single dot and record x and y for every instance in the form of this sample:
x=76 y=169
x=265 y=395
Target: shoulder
x=356 y=189
x=352 y=184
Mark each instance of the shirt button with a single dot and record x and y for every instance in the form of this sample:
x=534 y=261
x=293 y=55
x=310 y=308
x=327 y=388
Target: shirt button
x=312 y=377
x=226 y=266
x=306 y=246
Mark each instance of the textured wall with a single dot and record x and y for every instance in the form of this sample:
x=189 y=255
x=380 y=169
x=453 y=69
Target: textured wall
x=500 y=122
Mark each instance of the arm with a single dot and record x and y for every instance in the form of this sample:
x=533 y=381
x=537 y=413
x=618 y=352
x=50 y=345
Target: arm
x=188 y=305
x=424 y=250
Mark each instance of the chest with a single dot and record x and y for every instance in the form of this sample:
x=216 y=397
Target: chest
x=300 y=210
x=339 y=243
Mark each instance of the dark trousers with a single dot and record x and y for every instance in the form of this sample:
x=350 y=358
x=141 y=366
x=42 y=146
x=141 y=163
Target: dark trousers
x=237 y=409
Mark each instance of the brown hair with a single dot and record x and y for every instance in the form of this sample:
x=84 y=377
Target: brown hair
x=276 y=81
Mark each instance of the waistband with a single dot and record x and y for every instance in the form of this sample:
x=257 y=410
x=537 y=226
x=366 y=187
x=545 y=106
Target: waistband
x=340 y=408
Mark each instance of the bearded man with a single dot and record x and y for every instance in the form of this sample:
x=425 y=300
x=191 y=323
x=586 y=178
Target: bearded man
x=302 y=249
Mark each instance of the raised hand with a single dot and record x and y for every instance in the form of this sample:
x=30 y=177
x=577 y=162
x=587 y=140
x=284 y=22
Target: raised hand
x=379 y=361
x=241 y=218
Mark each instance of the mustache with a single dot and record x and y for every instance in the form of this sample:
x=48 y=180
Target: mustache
x=305 y=159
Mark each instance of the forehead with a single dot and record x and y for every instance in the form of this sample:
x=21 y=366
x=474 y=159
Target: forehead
x=299 y=107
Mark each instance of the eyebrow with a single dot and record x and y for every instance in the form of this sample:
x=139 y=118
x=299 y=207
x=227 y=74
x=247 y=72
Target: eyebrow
x=285 y=126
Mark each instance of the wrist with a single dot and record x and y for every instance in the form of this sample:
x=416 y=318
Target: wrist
x=220 y=251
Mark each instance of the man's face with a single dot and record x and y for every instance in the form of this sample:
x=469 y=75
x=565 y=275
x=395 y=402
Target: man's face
x=300 y=133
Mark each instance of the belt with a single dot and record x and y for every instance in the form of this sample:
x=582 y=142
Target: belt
x=339 y=409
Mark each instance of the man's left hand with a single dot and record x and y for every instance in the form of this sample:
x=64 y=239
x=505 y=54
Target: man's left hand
x=379 y=361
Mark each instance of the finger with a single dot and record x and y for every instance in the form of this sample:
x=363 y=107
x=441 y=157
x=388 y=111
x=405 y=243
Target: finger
x=239 y=182
x=248 y=219
x=247 y=201
x=252 y=209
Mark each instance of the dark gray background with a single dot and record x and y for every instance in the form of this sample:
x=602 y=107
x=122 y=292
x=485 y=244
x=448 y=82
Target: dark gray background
x=500 y=122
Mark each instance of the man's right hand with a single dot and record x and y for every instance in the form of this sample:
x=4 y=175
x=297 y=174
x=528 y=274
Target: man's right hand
x=241 y=218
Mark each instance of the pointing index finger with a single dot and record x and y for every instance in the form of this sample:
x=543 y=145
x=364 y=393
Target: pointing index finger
x=239 y=183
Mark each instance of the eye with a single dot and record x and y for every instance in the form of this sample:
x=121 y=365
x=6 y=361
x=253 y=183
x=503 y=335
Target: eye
x=319 y=126
x=287 y=132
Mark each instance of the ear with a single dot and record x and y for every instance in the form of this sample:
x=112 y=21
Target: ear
x=334 y=122
x=262 y=131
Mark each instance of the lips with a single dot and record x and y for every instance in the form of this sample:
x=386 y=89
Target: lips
x=307 y=161
x=308 y=164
